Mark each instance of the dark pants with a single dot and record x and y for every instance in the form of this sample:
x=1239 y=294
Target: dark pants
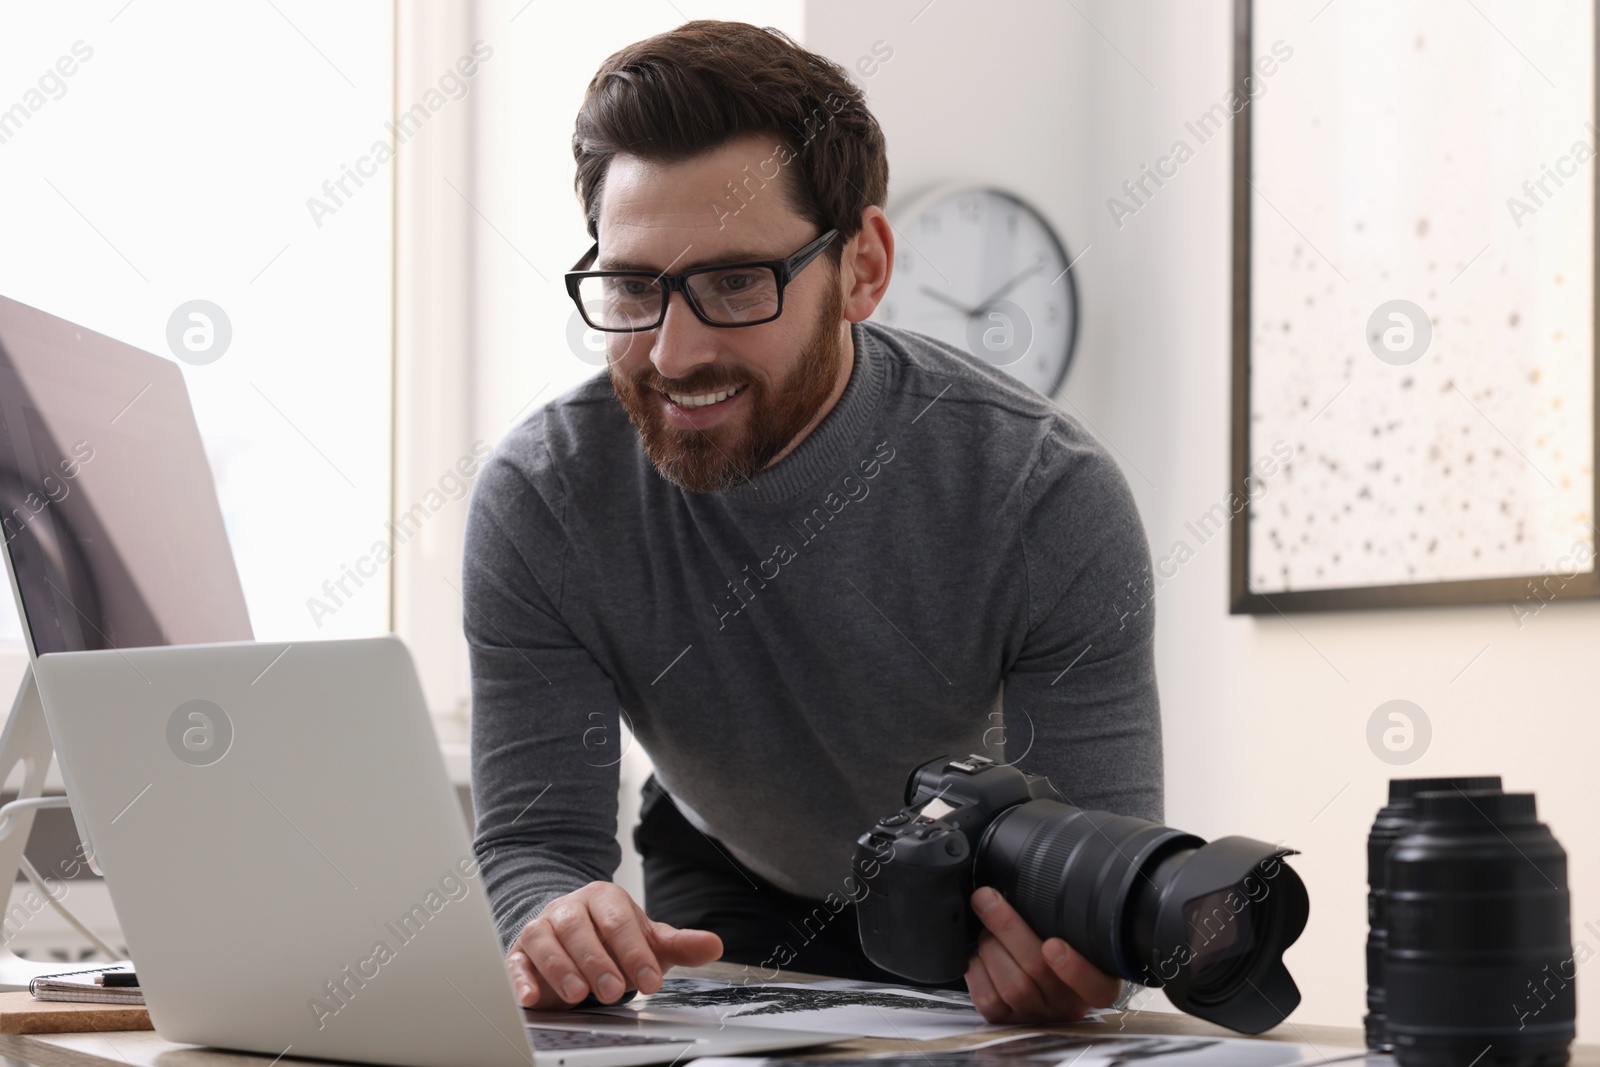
x=692 y=881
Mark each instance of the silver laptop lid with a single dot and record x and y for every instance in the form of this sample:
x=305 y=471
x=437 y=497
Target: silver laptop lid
x=286 y=855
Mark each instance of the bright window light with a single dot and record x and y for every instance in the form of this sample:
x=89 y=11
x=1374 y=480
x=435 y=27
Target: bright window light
x=155 y=153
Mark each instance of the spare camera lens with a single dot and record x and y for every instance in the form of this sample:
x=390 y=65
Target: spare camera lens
x=1479 y=964
x=1393 y=820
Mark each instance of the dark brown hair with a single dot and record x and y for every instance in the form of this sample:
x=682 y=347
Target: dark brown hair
x=674 y=96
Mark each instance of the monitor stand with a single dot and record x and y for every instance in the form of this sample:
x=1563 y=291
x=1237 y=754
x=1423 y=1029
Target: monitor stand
x=26 y=740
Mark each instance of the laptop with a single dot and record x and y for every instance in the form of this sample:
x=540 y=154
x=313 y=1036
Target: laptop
x=291 y=869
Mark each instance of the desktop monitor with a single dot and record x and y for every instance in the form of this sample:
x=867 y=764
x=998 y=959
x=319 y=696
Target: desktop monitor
x=111 y=527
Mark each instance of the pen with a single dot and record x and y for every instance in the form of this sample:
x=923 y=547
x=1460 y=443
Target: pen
x=113 y=979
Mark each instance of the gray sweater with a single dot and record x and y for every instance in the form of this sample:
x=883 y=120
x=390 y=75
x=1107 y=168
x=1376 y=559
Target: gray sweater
x=947 y=564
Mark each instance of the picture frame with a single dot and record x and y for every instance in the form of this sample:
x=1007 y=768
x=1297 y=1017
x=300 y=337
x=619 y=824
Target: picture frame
x=1286 y=551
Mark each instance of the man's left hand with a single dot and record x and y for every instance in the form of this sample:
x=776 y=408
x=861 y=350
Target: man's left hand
x=1016 y=978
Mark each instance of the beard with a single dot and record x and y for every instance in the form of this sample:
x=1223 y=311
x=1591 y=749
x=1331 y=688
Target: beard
x=731 y=452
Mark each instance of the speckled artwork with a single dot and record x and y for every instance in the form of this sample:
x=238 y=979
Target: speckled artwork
x=1421 y=292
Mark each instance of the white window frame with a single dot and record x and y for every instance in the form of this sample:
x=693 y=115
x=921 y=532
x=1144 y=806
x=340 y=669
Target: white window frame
x=432 y=365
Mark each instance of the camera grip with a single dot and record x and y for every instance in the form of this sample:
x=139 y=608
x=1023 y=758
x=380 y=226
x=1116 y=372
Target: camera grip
x=913 y=916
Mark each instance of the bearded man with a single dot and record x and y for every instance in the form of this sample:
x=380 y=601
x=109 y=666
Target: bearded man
x=796 y=552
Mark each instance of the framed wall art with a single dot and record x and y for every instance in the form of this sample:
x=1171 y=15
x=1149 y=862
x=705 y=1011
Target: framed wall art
x=1414 y=224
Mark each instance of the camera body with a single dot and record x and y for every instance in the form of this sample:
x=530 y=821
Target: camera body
x=918 y=863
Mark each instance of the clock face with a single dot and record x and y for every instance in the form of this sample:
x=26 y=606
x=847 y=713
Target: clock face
x=984 y=272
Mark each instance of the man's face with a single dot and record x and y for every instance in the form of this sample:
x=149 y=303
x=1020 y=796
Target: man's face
x=669 y=217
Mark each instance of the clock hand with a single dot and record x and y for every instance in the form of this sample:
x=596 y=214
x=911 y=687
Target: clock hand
x=937 y=295
x=1008 y=286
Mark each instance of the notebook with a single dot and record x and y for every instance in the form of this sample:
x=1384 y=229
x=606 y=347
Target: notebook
x=80 y=986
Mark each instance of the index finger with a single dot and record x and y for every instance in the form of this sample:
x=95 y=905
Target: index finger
x=622 y=933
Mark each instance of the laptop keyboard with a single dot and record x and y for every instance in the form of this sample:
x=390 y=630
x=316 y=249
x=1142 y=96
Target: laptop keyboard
x=546 y=1039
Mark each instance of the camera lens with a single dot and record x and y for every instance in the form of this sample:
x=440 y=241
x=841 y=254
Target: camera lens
x=1207 y=922
x=1479 y=964
x=1393 y=820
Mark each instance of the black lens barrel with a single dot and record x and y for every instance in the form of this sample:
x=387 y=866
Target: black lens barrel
x=1479 y=965
x=1071 y=874
x=1393 y=821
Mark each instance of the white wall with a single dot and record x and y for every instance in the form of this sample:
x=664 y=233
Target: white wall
x=1264 y=718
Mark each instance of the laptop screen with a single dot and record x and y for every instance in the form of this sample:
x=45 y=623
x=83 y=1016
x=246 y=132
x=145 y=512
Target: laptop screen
x=108 y=509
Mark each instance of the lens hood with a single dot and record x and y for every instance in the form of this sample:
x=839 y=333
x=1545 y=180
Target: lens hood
x=1224 y=919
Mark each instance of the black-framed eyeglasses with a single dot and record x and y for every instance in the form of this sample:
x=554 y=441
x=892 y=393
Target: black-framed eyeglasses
x=727 y=294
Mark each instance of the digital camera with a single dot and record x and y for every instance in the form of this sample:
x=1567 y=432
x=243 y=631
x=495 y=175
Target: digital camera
x=1208 y=923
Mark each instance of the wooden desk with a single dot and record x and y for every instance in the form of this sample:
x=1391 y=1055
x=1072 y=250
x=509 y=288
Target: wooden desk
x=144 y=1048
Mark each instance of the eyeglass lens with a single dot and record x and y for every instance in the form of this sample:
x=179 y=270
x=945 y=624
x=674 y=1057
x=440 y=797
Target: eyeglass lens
x=634 y=301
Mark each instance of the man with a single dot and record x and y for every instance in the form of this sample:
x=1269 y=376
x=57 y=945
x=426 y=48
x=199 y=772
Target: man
x=797 y=553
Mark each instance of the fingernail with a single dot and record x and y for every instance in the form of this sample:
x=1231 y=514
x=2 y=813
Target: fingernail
x=646 y=976
x=1055 y=952
x=572 y=987
x=610 y=987
x=985 y=899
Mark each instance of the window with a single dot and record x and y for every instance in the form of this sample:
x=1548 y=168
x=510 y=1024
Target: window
x=150 y=157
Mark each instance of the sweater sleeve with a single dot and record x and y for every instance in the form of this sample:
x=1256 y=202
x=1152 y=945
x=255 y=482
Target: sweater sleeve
x=545 y=738
x=1080 y=700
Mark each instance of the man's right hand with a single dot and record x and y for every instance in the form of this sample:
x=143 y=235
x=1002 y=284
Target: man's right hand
x=596 y=938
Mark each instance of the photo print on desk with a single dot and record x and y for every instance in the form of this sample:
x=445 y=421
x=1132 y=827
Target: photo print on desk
x=1082 y=1050
x=838 y=1005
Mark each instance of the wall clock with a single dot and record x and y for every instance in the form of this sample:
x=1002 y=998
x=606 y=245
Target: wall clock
x=979 y=268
